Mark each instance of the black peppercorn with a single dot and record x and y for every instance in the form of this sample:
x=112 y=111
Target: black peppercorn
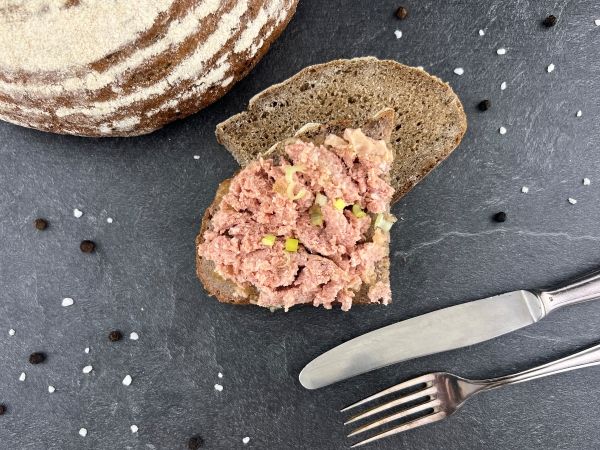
x=195 y=442
x=549 y=21
x=500 y=216
x=484 y=105
x=37 y=358
x=87 y=246
x=401 y=13
x=2 y=409
x=40 y=224
x=115 y=336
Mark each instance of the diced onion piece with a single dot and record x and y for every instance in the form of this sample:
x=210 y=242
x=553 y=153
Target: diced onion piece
x=290 y=171
x=290 y=192
x=384 y=223
x=268 y=240
x=320 y=199
x=291 y=245
x=316 y=216
x=339 y=204
x=357 y=211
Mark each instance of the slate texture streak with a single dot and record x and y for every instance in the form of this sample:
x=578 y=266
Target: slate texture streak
x=446 y=250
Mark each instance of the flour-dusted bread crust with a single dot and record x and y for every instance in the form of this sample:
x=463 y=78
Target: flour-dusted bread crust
x=123 y=67
x=430 y=121
x=379 y=126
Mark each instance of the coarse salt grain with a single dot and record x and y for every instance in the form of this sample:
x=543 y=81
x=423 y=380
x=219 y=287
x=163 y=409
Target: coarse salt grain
x=127 y=380
x=67 y=301
x=503 y=86
x=109 y=220
x=579 y=113
x=586 y=181
x=196 y=156
x=398 y=34
x=246 y=440
x=77 y=213
x=86 y=350
x=220 y=375
x=459 y=71
x=87 y=369
x=134 y=336
x=51 y=389
x=481 y=33
x=502 y=130
x=597 y=22
x=501 y=51
x=572 y=201
x=82 y=432
x=550 y=68
x=134 y=428
x=524 y=189
x=22 y=376
x=11 y=332
x=218 y=387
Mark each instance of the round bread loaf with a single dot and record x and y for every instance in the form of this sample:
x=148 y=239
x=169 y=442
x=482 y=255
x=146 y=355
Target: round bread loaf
x=123 y=67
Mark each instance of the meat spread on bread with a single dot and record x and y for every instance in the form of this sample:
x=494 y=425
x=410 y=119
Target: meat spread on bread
x=307 y=223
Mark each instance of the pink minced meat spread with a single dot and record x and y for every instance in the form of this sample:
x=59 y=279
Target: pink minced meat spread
x=333 y=257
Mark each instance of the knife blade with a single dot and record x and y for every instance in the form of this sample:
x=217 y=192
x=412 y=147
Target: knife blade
x=437 y=331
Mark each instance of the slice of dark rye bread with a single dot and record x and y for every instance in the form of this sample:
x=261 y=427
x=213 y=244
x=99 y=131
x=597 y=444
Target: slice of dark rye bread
x=430 y=121
x=380 y=126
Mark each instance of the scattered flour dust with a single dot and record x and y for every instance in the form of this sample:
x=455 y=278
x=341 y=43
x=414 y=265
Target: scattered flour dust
x=398 y=34
x=459 y=71
x=586 y=182
x=218 y=387
x=67 y=301
x=22 y=376
x=245 y=440
x=82 y=432
x=524 y=189
x=77 y=213
x=127 y=380
x=11 y=332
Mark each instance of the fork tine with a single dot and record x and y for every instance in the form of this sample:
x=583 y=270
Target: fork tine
x=404 y=413
x=404 y=427
x=396 y=388
x=399 y=401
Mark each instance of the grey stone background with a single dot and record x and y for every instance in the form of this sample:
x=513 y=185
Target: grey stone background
x=445 y=251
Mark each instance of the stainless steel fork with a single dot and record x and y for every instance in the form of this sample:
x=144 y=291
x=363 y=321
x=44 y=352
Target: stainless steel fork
x=442 y=394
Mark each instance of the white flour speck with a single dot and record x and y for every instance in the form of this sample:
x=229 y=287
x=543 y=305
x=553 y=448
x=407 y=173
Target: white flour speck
x=597 y=22
x=550 y=68
x=87 y=369
x=86 y=350
x=22 y=376
x=196 y=157
x=501 y=51
x=481 y=33
x=77 y=213
x=11 y=332
x=502 y=130
x=398 y=34
x=572 y=201
x=524 y=189
x=503 y=86
x=586 y=181
x=51 y=389
x=109 y=220
x=579 y=113
x=67 y=301
x=459 y=71
x=134 y=428
x=82 y=432
x=246 y=440
x=134 y=336
x=127 y=380
x=218 y=387
x=220 y=375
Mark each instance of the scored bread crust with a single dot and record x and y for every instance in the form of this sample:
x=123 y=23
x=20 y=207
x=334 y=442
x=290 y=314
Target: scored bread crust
x=188 y=56
x=378 y=127
x=430 y=120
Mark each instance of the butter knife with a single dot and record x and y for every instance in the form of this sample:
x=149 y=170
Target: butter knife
x=445 y=329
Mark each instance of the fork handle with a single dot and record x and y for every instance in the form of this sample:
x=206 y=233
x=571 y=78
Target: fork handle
x=586 y=358
x=579 y=290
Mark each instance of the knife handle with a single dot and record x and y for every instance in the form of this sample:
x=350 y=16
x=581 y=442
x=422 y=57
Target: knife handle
x=582 y=290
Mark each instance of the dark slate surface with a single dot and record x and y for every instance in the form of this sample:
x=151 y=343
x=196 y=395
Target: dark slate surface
x=446 y=251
